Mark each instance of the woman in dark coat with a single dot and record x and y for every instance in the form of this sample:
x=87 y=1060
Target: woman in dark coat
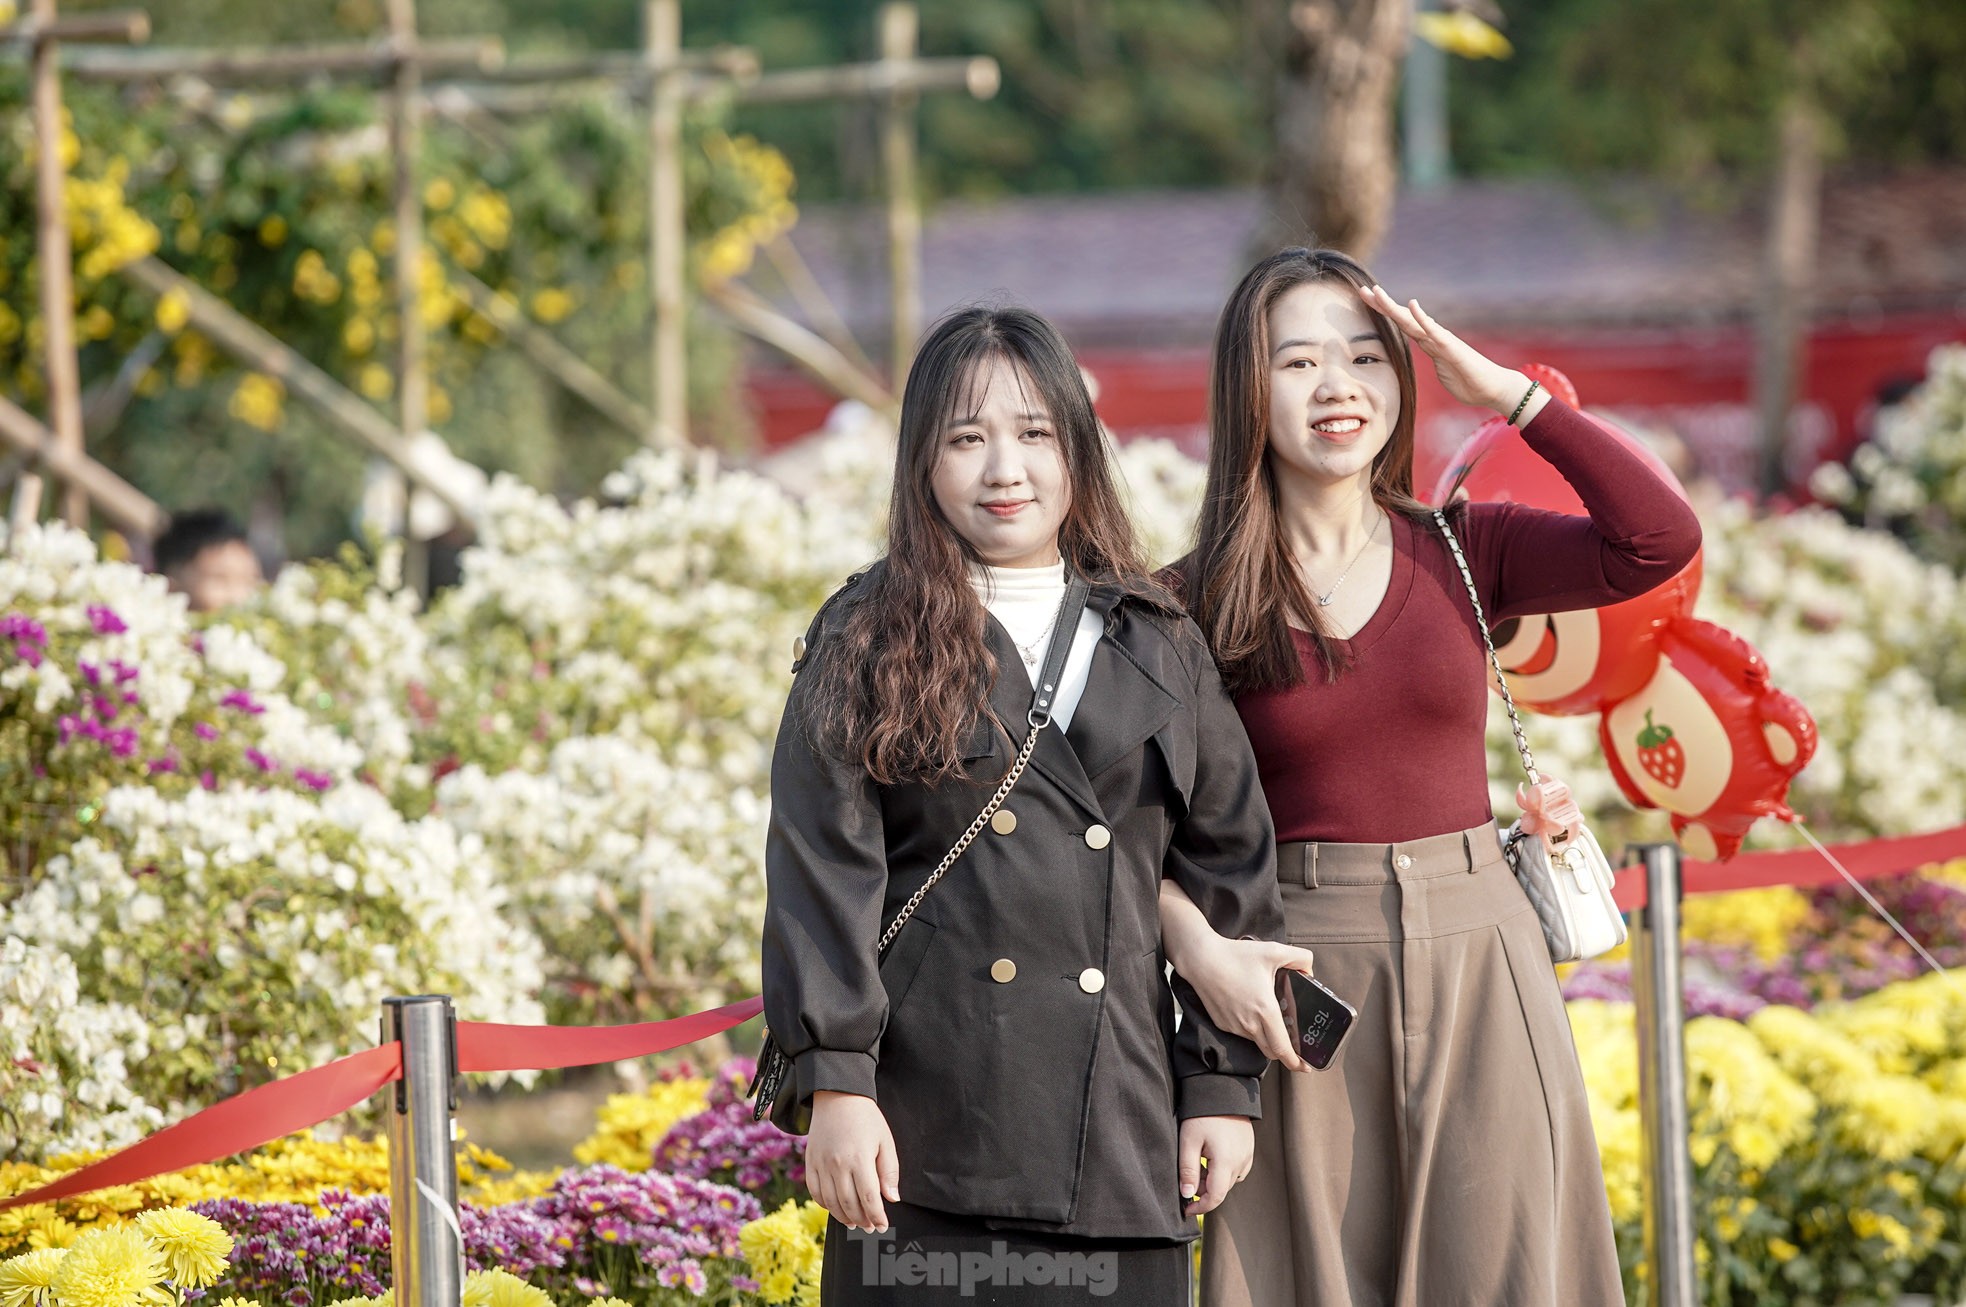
x=1000 y=1107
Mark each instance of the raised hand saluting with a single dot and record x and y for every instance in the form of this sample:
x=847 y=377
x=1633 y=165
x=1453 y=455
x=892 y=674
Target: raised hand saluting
x=1464 y=371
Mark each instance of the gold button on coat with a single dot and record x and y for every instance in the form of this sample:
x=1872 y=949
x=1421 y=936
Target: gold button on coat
x=1098 y=838
x=1004 y=821
x=1092 y=979
x=1003 y=971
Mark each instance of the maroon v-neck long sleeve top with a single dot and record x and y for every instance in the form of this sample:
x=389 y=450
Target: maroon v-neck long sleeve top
x=1393 y=750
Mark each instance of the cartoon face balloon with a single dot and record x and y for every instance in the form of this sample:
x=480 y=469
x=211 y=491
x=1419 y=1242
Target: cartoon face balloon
x=1568 y=663
x=1709 y=739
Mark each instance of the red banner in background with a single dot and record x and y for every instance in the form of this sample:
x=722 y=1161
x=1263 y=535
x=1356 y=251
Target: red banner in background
x=1803 y=867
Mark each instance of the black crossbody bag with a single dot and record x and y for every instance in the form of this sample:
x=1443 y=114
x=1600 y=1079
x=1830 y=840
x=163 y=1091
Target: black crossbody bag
x=774 y=1088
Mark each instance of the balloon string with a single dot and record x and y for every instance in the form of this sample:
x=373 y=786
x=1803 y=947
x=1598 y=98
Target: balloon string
x=1868 y=897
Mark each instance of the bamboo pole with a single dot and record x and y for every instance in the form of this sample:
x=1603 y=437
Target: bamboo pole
x=553 y=358
x=729 y=61
x=801 y=345
x=412 y=374
x=662 y=23
x=59 y=367
x=813 y=301
x=513 y=90
x=131 y=25
x=900 y=25
x=248 y=342
x=127 y=509
x=286 y=63
x=979 y=77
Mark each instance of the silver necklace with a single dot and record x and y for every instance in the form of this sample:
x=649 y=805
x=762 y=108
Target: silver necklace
x=1324 y=600
x=1029 y=652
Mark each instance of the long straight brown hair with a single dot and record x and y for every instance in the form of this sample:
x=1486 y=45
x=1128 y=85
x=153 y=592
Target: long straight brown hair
x=909 y=670
x=1240 y=583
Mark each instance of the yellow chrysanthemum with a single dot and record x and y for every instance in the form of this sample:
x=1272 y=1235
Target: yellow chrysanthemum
x=609 y=1302
x=502 y=1289
x=230 y=1301
x=195 y=1247
x=26 y=1279
x=385 y=1300
x=629 y=1126
x=111 y=1266
x=784 y=1251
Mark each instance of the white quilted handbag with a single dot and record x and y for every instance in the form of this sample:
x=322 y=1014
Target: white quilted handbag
x=1569 y=884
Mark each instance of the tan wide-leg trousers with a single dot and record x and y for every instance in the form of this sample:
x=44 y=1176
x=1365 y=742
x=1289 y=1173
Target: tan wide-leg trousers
x=1446 y=1158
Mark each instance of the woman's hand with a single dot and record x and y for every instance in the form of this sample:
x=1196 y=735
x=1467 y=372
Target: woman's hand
x=1464 y=371
x=851 y=1164
x=1236 y=978
x=1229 y=1144
x=1237 y=981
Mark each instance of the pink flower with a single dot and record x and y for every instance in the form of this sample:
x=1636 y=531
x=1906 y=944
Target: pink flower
x=106 y=621
x=261 y=761
x=205 y=731
x=19 y=626
x=241 y=700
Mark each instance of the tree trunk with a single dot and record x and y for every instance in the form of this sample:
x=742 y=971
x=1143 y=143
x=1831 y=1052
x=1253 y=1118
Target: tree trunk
x=1335 y=169
x=1788 y=274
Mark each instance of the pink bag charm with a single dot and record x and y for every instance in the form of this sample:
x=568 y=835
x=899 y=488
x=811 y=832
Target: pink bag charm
x=1549 y=811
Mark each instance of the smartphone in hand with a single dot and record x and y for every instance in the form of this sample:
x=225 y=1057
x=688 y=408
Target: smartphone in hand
x=1318 y=1018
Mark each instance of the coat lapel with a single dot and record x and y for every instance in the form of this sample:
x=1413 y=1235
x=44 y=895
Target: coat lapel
x=1122 y=707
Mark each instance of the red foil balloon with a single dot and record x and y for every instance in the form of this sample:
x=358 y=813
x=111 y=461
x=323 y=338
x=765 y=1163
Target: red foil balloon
x=1568 y=664
x=1709 y=739
x=1691 y=722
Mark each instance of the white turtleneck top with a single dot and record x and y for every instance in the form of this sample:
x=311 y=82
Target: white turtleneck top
x=1025 y=600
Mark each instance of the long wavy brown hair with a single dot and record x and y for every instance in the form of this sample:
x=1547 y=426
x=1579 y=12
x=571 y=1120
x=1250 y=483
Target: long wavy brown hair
x=908 y=669
x=1240 y=583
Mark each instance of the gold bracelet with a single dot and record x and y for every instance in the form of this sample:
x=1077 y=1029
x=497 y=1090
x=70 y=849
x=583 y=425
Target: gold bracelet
x=1533 y=386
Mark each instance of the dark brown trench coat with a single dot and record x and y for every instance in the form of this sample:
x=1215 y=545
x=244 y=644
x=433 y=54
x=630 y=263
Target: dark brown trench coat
x=1020 y=1034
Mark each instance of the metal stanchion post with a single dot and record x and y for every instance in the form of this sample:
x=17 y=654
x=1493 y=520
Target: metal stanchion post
x=1659 y=997
x=426 y=1243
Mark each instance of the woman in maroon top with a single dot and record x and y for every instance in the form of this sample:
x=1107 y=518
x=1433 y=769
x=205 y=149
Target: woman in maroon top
x=1447 y=1156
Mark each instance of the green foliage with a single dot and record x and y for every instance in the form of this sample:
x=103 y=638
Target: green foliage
x=1690 y=90
x=285 y=212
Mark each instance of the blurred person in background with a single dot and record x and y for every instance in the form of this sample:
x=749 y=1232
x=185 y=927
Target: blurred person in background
x=206 y=557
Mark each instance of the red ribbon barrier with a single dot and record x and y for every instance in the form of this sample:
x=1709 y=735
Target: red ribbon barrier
x=1803 y=867
x=238 y=1123
x=484 y=1046
x=269 y=1112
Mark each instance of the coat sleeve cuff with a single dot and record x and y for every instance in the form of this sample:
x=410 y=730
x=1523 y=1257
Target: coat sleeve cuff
x=1213 y=1094
x=835 y=1069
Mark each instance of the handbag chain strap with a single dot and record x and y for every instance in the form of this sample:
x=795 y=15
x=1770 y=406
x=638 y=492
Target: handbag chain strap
x=1501 y=678
x=1044 y=693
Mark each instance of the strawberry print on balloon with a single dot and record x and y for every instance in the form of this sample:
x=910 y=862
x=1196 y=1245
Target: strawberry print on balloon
x=1735 y=744
x=1691 y=722
x=1661 y=754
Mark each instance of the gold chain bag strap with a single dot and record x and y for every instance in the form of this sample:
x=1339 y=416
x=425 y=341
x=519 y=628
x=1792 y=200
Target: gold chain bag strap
x=767 y=1088
x=1566 y=877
